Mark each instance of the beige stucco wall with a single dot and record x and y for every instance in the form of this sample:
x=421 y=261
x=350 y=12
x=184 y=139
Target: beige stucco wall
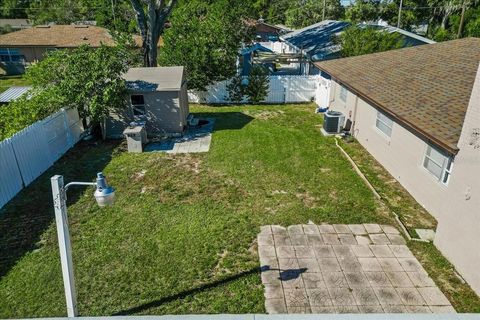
x=402 y=154
x=458 y=233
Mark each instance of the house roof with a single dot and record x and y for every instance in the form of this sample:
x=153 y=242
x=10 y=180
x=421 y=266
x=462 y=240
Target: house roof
x=13 y=93
x=154 y=79
x=424 y=88
x=253 y=48
x=60 y=36
x=317 y=40
x=16 y=23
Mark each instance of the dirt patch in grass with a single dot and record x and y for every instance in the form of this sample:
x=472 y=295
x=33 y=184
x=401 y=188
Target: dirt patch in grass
x=265 y=114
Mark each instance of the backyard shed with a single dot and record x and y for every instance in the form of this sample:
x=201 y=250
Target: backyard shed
x=157 y=96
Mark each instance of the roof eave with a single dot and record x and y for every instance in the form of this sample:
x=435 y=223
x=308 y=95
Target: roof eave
x=439 y=143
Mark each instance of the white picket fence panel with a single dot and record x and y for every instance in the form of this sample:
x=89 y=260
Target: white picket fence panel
x=282 y=89
x=31 y=151
x=10 y=177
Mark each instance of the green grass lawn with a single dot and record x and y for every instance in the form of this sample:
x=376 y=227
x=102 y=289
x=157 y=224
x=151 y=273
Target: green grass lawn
x=181 y=235
x=11 y=81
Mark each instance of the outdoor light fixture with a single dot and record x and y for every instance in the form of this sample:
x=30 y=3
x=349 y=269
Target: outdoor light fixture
x=104 y=195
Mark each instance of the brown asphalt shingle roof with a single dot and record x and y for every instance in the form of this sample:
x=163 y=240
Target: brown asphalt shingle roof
x=426 y=88
x=61 y=36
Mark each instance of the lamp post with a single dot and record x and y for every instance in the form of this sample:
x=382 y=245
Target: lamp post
x=104 y=195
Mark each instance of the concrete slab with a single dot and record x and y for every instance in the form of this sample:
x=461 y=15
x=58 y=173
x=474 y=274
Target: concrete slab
x=329 y=269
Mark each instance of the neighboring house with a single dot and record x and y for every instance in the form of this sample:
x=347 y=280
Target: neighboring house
x=417 y=111
x=246 y=57
x=15 y=24
x=13 y=93
x=266 y=32
x=317 y=42
x=157 y=96
x=20 y=48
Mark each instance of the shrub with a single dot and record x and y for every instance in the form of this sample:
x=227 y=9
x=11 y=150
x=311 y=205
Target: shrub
x=235 y=89
x=257 y=88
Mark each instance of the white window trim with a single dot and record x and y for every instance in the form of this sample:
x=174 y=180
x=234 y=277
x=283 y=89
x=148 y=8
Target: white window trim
x=384 y=123
x=446 y=167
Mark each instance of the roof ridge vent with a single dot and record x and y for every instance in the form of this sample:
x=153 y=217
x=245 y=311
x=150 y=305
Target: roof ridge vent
x=80 y=26
x=46 y=26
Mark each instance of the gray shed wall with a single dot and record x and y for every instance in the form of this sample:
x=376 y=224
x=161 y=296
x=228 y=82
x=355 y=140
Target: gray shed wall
x=166 y=113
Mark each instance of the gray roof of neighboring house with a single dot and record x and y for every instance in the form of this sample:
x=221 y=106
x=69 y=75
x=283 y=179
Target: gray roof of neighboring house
x=317 y=40
x=13 y=93
x=154 y=79
x=16 y=23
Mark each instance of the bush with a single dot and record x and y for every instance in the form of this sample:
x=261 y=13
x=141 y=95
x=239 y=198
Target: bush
x=235 y=89
x=257 y=88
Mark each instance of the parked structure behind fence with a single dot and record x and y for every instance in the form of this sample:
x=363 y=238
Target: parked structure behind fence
x=282 y=89
x=28 y=153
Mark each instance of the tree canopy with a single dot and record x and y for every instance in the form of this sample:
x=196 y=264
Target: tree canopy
x=205 y=38
x=356 y=41
x=309 y=12
x=85 y=78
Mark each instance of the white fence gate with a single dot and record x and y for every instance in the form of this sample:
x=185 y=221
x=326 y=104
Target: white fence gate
x=282 y=89
x=28 y=153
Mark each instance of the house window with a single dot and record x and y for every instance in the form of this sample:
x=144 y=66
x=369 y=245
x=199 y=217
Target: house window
x=384 y=124
x=138 y=104
x=438 y=164
x=8 y=55
x=343 y=93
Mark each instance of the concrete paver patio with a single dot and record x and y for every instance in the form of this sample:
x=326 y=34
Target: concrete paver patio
x=344 y=269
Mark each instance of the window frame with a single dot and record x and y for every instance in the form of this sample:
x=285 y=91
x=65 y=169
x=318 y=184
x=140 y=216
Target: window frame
x=138 y=109
x=382 y=121
x=446 y=167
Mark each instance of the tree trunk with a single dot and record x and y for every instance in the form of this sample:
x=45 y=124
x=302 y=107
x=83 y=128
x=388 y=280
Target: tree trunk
x=151 y=24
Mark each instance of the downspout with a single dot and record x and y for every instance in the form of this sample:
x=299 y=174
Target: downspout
x=354 y=120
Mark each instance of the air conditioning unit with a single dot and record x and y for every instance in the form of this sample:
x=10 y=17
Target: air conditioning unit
x=333 y=121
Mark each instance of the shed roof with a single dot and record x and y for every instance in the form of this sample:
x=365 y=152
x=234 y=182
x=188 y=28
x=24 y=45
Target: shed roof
x=425 y=88
x=154 y=79
x=60 y=36
x=13 y=93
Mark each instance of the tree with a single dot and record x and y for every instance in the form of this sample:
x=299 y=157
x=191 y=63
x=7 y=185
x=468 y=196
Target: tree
x=356 y=41
x=208 y=44
x=410 y=16
x=309 y=12
x=85 y=78
x=151 y=18
x=236 y=89
x=114 y=15
x=256 y=89
x=363 y=10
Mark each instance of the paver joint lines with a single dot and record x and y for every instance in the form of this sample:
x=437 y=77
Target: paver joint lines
x=343 y=268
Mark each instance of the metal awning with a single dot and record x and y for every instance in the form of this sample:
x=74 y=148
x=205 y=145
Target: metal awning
x=13 y=93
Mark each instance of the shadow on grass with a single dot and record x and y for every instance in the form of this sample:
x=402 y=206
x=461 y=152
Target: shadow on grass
x=26 y=217
x=284 y=275
x=226 y=120
x=184 y=294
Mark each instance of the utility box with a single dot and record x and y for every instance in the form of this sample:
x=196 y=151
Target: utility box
x=136 y=138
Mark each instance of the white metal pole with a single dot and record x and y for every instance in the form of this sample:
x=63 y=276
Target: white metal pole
x=399 y=13
x=61 y=219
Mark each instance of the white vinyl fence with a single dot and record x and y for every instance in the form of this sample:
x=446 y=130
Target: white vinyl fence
x=28 y=153
x=282 y=89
